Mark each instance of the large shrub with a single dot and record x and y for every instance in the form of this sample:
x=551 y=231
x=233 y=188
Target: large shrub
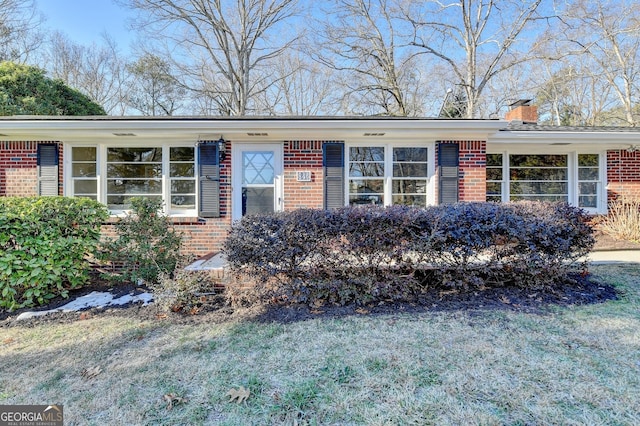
x=44 y=244
x=146 y=244
x=363 y=254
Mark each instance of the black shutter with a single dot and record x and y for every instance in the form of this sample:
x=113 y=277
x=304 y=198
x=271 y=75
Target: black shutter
x=209 y=175
x=48 y=169
x=333 y=163
x=448 y=161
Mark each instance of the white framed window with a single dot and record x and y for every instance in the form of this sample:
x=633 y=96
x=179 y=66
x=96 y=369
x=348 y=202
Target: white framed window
x=84 y=171
x=574 y=177
x=113 y=174
x=386 y=174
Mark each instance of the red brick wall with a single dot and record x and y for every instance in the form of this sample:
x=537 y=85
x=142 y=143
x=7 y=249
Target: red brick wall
x=623 y=174
x=19 y=168
x=472 y=185
x=303 y=156
x=203 y=236
x=473 y=172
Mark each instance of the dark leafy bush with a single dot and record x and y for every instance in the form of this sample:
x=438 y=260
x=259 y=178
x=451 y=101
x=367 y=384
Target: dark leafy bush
x=147 y=244
x=365 y=254
x=45 y=243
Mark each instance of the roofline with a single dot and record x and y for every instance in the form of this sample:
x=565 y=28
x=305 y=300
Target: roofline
x=275 y=128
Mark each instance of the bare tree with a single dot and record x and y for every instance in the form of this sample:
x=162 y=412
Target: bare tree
x=153 y=88
x=97 y=71
x=20 y=34
x=604 y=39
x=302 y=87
x=362 y=39
x=477 y=40
x=220 y=45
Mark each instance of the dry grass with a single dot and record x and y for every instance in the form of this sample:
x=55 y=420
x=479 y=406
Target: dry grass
x=623 y=219
x=578 y=365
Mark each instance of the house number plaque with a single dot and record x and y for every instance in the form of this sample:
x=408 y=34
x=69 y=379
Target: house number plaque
x=304 y=176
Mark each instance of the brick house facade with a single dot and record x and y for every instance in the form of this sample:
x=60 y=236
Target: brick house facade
x=287 y=164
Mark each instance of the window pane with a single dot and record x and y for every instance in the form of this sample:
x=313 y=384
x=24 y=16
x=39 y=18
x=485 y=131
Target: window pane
x=136 y=155
x=182 y=170
x=494 y=188
x=367 y=153
x=366 y=169
x=549 y=198
x=85 y=186
x=539 y=188
x=134 y=170
x=410 y=170
x=181 y=154
x=494 y=198
x=121 y=202
x=588 y=188
x=588 y=201
x=538 y=174
x=587 y=174
x=83 y=153
x=134 y=186
x=410 y=200
x=183 y=202
x=258 y=167
x=257 y=200
x=84 y=169
x=366 y=186
x=538 y=160
x=183 y=187
x=376 y=199
x=406 y=186
x=494 y=174
x=588 y=160
x=410 y=154
x=494 y=160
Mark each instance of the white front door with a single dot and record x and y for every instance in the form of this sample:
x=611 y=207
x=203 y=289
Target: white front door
x=257 y=179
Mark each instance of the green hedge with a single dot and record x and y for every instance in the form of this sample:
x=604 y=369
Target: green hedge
x=44 y=244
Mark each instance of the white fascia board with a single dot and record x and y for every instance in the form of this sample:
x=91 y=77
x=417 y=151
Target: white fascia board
x=609 y=140
x=104 y=130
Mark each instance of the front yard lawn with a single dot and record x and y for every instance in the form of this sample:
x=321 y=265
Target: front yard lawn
x=566 y=365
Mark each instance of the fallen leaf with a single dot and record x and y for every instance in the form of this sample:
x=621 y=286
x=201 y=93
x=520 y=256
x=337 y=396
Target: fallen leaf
x=505 y=299
x=316 y=311
x=85 y=315
x=240 y=395
x=9 y=340
x=171 y=399
x=362 y=311
x=161 y=316
x=91 y=372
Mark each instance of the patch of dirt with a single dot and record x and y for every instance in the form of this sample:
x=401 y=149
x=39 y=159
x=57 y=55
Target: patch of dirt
x=605 y=242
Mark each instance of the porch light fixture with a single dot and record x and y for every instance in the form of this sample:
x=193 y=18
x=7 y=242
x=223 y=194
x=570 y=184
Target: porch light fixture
x=222 y=148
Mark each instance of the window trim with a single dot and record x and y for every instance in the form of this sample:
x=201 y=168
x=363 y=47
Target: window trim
x=388 y=167
x=572 y=170
x=101 y=169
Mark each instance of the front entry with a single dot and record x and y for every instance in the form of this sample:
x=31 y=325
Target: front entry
x=257 y=179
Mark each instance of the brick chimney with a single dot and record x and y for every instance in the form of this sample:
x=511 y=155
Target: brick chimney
x=522 y=110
